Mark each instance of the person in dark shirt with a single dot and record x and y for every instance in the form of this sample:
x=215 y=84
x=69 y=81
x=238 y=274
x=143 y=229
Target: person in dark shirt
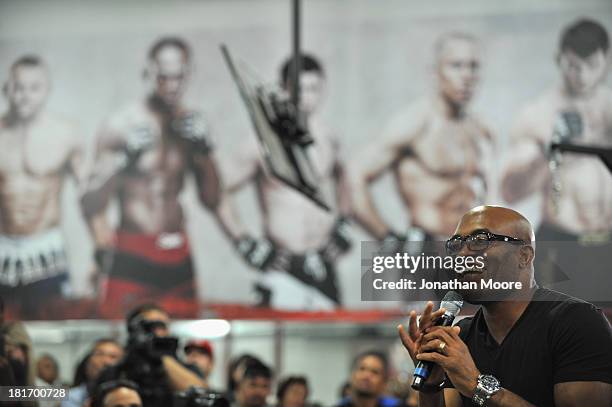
x=368 y=382
x=150 y=358
x=534 y=347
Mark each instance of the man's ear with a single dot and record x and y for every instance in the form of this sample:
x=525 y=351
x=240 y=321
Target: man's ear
x=526 y=256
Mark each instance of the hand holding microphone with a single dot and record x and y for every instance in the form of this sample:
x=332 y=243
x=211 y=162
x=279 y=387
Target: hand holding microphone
x=437 y=349
x=413 y=338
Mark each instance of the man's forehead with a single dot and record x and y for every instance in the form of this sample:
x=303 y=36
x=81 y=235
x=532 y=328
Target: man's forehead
x=108 y=347
x=30 y=71
x=371 y=361
x=474 y=221
x=496 y=219
x=155 y=314
x=598 y=55
x=171 y=58
x=257 y=380
x=458 y=47
x=311 y=76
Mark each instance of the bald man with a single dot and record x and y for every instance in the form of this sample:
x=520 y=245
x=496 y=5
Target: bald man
x=528 y=346
x=438 y=151
x=40 y=150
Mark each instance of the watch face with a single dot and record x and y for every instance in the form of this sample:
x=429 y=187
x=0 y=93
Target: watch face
x=489 y=383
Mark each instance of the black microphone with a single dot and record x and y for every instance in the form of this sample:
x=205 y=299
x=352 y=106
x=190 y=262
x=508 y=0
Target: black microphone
x=452 y=302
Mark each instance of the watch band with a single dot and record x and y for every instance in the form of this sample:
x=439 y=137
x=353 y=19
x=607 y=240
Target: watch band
x=487 y=386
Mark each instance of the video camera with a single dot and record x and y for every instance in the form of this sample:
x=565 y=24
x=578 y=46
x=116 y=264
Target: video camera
x=143 y=361
x=143 y=341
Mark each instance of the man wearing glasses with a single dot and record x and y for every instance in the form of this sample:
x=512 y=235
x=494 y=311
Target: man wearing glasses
x=523 y=347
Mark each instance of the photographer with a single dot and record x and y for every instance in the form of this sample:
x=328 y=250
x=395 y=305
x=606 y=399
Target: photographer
x=150 y=359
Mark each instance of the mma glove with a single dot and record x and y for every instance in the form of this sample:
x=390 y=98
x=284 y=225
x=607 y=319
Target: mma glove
x=339 y=241
x=138 y=141
x=258 y=253
x=193 y=128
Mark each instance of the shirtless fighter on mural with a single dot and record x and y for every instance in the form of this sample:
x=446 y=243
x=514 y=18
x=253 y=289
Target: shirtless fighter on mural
x=302 y=242
x=145 y=151
x=39 y=150
x=576 y=189
x=438 y=151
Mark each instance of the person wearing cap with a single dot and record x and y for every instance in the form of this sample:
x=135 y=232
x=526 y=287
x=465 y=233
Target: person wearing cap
x=200 y=354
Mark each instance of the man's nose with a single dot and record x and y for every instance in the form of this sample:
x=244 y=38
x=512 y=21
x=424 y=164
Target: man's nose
x=107 y=360
x=172 y=85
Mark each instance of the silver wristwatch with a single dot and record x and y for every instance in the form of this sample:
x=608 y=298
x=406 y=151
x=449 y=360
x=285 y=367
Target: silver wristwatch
x=486 y=388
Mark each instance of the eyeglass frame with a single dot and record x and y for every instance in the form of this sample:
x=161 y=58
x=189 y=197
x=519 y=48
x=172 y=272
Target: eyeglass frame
x=491 y=237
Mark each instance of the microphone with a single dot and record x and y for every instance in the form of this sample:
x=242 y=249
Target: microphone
x=452 y=302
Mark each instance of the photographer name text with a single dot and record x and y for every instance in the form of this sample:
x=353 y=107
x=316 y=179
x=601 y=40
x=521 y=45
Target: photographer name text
x=406 y=284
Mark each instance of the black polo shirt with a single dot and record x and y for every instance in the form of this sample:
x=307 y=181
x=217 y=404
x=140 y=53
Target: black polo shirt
x=557 y=339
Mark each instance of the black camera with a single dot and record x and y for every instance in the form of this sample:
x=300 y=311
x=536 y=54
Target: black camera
x=143 y=341
x=198 y=397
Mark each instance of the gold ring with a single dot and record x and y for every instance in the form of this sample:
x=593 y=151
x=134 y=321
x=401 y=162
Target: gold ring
x=442 y=346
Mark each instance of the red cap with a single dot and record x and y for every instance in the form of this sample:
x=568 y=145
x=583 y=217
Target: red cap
x=200 y=345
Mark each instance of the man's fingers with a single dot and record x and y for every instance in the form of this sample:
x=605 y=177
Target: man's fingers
x=431 y=346
x=429 y=317
x=405 y=338
x=437 y=314
x=454 y=332
x=439 y=332
x=432 y=357
x=425 y=319
x=408 y=343
x=412 y=325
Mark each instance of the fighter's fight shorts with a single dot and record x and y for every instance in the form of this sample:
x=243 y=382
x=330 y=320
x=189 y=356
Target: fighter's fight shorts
x=577 y=265
x=33 y=273
x=144 y=268
x=305 y=281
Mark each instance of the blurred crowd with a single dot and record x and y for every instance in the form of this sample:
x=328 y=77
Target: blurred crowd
x=151 y=369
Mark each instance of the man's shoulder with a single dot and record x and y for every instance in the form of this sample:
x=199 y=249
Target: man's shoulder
x=541 y=107
x=128 y=114
x=482 y=128
x=409 y=120
x=563 y=308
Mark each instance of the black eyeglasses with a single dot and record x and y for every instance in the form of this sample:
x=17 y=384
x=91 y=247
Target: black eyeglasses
x=478 y=241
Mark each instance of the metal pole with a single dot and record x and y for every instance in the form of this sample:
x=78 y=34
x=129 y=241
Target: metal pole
x=295 y=94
